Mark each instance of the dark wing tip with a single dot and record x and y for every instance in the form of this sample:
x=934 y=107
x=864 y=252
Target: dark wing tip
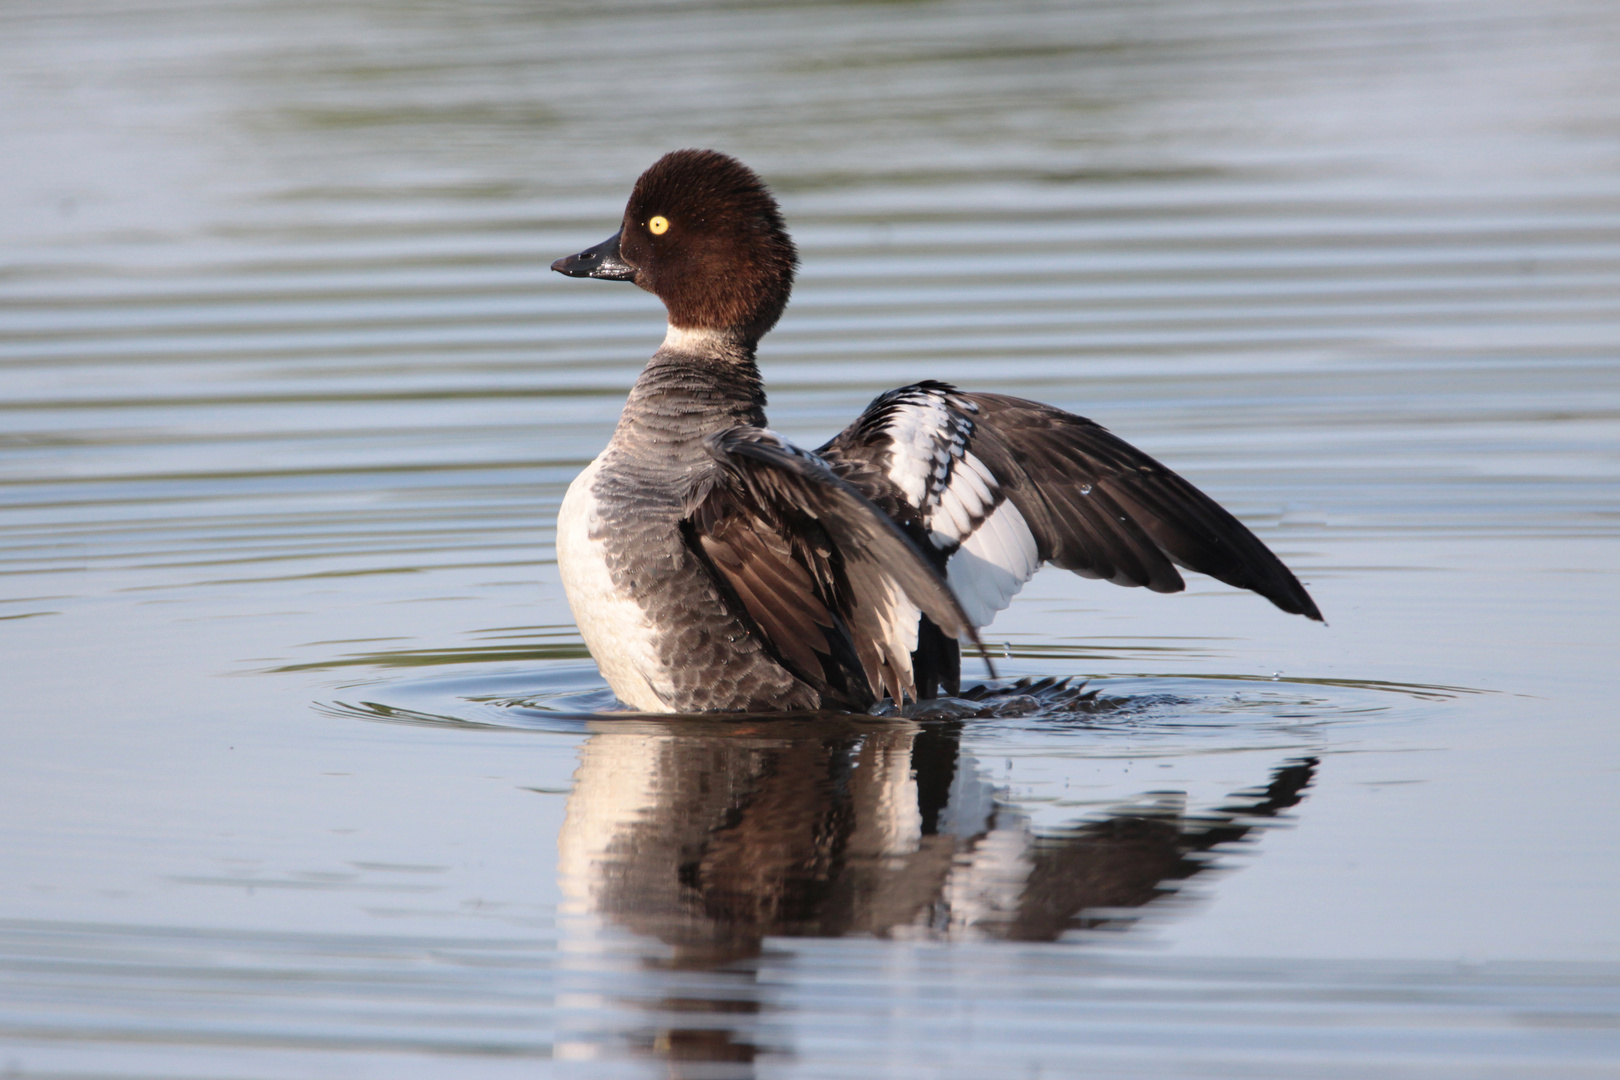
x=1304 y=606
x=1104 y=508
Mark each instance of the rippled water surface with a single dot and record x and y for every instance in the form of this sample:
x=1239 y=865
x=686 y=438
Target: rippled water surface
x=304 y=770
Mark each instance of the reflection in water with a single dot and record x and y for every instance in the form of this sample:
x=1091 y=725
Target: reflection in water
x=710 y=836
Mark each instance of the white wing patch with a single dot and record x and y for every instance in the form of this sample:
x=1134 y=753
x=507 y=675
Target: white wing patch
x=921 y=450
x=968 y=498
x=960 y=501
x=993 y=563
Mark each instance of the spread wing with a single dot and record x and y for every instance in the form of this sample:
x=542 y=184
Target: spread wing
x=833 y=587
x=999 y=486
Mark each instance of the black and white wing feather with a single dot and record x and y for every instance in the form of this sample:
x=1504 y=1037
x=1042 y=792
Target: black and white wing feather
x=998 y=486
x=833 y=586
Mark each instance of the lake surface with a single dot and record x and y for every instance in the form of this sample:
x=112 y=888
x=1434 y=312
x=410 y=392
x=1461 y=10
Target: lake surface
x=304 y=770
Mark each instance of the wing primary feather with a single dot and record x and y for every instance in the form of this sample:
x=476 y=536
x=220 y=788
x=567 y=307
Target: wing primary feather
x=1101 y=507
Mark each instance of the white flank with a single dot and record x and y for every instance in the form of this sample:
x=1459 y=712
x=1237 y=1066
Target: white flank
x=615 y=628
x=993 y=564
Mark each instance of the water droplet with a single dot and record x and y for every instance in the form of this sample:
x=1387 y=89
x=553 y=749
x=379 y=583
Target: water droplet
x=1276 y=675
x=1085 y=489
x=1006 y=650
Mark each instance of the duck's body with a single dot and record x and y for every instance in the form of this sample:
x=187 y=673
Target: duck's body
x=711 y=566
x=653 y=616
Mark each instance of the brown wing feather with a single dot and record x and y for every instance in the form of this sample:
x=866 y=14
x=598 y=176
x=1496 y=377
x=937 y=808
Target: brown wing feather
x=1101 y=507
x=787 y=611
x=833 y=585
x=749 y=554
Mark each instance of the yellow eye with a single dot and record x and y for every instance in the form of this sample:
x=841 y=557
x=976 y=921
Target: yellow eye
x=658 y=226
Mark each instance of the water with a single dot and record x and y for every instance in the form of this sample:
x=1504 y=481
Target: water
x=305 y=771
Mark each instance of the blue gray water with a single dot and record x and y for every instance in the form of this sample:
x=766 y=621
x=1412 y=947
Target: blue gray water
x=303 y=768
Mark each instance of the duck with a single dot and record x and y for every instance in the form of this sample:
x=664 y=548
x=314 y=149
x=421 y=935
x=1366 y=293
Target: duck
x=714 y=567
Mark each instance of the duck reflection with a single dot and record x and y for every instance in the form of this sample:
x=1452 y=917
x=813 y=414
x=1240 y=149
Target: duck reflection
x=710 y=836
